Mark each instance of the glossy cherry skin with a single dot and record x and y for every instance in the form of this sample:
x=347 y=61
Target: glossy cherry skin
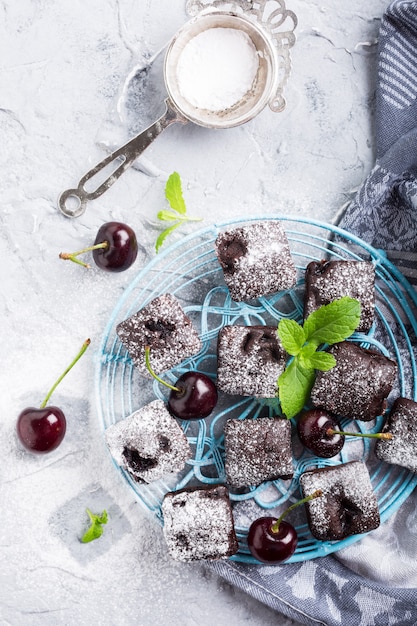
x=312 y=429
x=41 y=430
x=268 y=546
x=122 y=247
x=196 y=399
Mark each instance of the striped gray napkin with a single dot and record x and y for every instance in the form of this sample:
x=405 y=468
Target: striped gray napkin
x=374 y=582
x=384 y=212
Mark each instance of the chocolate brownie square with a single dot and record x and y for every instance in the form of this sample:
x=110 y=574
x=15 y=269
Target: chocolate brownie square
x=329 y=280
x=149 y=443
x=358 y=385
x=249 y=360
x=256 y=260
x=401 y=422
x=257 y=450
x=166 y=329
x=198 y=524
x=347 y=506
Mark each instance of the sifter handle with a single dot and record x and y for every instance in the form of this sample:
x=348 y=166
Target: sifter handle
x=127 y=154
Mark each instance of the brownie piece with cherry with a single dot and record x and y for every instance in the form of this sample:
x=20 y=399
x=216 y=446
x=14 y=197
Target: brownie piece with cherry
x=401 y=422
x=149 y=443
x=358 y=385
x=256 y=260
x=257 y=450
x=198 y=524
x=249 y=360
x=347 y=506
x=327 y=281
x=166 y=329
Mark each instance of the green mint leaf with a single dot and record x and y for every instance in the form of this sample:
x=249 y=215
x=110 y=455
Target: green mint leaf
x=162 y=236
x=173 y=193
x=333 y=322
x=322 y=361
x=294 y=386
x=307 y=350
x=96 y=526
x=292 y=336
x=166 y=216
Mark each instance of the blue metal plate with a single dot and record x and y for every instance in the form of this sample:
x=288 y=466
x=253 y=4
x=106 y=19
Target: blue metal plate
x=189 y=270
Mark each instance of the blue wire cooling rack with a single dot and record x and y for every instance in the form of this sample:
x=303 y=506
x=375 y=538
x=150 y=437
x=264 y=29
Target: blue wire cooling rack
x=189 y=269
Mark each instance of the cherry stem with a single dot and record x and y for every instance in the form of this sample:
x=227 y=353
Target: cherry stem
x=315 y=494
x=152 y=373
x=70 y=366
x=331 y=431
x=72 y=256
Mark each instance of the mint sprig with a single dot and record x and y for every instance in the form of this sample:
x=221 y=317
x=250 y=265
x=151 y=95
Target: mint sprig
x=96 y=526
x=329 y=324
x=294 y=385
x=178 y=212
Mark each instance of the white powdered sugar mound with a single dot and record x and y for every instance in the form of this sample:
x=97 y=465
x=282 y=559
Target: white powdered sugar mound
x=217 y=68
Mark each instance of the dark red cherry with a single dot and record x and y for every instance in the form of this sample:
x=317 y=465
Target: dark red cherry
x=41 y=430
x=273 y=540
x=121 y=250
x=194 y=396
x=312 y=429
x=115 y=248
x=269 y=546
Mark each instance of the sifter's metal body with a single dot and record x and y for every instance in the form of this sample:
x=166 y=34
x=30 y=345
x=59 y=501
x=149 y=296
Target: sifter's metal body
x=271 y=76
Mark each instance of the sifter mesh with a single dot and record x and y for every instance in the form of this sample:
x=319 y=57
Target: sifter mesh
x=189 y=270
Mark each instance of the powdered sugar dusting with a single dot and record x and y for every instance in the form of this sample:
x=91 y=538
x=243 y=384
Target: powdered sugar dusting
x=155 y=442
x=163 y=326
x=402 y=424
x=348 y=505
x=257 y=450
x=328 y=281
x=198 y=524
x=256 y=260
x=358 y=385
x=249 y=360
